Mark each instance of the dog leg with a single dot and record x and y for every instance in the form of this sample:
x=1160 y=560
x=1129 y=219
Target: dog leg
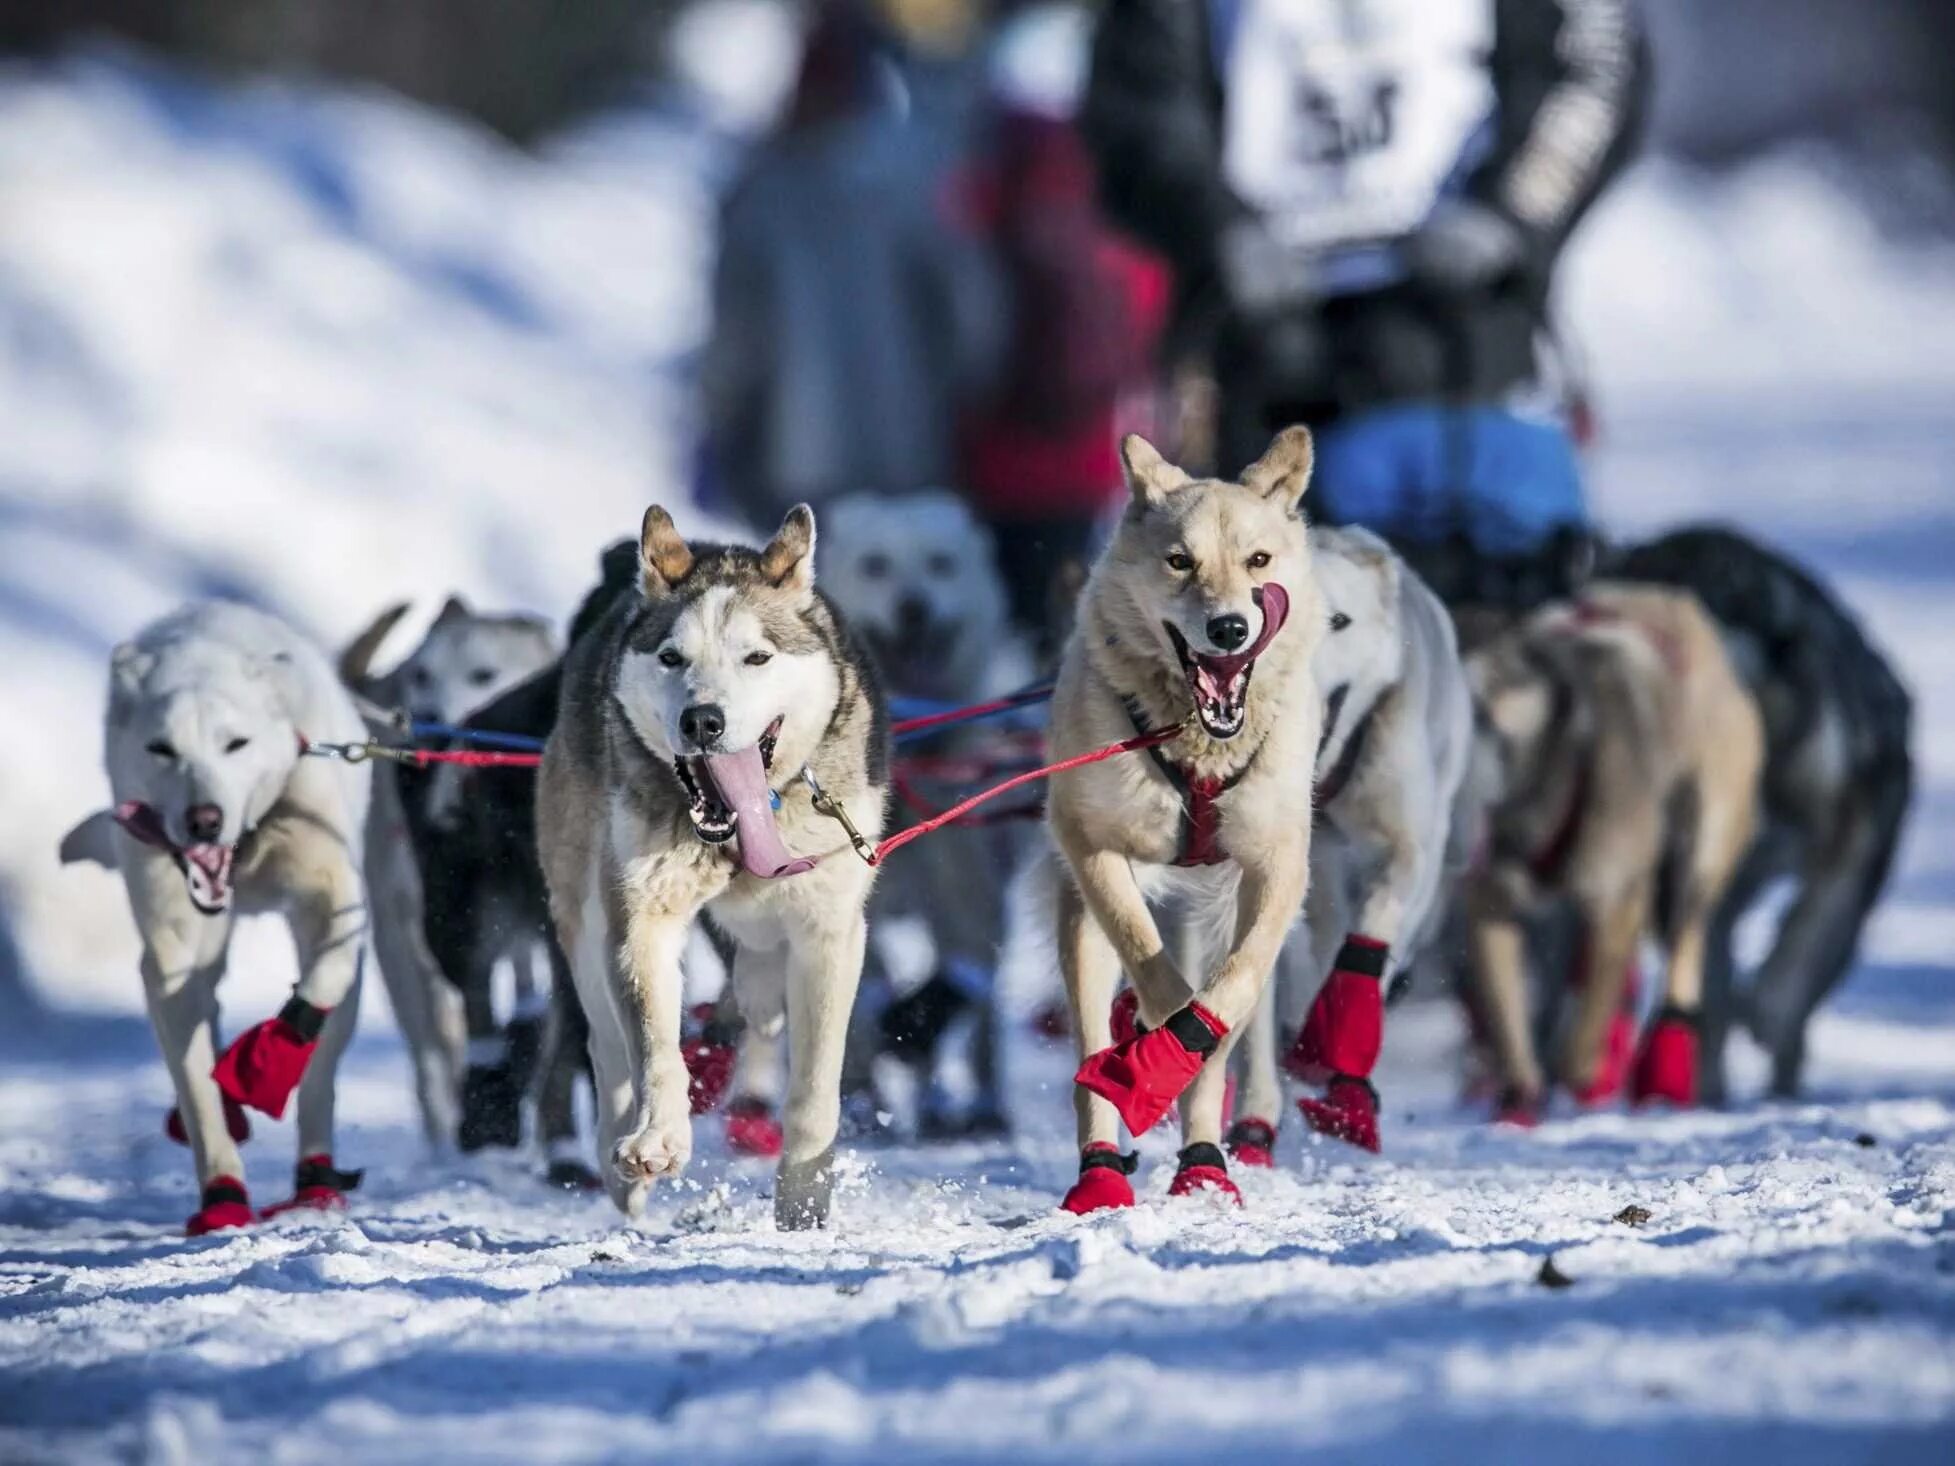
x=1613 y=924
x=1252 y=1136
x=566 y=1039
x=824 y=970
x=757 y=987
x=659 y=1142
x=407 y=967
x=1202 y=1165
x=180 y=973
x=1499 y=960
x=328 y=916
x=1106 y=883
x=1091 y=968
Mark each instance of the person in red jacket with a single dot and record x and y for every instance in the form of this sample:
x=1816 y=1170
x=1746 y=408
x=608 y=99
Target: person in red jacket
x=1040 y=461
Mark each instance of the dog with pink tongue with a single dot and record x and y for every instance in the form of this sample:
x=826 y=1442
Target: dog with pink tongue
x=1202 y=615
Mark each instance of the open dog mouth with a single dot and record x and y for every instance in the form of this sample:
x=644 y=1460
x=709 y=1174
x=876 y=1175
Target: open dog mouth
x=1220 y=684
x=206 y=865
x=717 y=783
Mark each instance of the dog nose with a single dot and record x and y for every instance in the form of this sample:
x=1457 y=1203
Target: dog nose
x=704 y=724
x=1228 y=632
x=205 y=822
x=912 y=612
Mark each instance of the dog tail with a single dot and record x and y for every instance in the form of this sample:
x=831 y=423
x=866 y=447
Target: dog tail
x=356 y=662
x=90 y=841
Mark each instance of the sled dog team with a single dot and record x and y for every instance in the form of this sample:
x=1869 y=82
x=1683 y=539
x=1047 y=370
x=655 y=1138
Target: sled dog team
x=1321 y=787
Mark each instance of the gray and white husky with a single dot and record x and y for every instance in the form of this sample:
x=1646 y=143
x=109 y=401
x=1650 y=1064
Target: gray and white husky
x=701 y=721
x=217 y=812
x=1398 y=732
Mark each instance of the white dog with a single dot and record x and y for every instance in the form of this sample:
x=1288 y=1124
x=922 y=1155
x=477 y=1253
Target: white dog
x=1398 y=730
x=217 y=812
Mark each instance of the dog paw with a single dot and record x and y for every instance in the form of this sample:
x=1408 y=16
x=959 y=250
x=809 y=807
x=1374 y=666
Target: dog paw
x=657 y=1150
x=803 y=1191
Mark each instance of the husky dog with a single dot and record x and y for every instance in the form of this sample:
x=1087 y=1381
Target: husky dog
x=1630 y=756
x=1837 y=780
x=465 y=660
x=1201 y=617
x=709 y=725
x=424 y=925
x=1398 y=728
x=914 y=575
x=217 y=811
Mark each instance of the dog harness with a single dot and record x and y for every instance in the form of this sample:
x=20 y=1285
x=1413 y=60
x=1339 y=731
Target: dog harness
x=1339 y=774
x=1201 y=824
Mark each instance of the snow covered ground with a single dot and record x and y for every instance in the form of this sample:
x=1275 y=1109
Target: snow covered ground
x=326 y=349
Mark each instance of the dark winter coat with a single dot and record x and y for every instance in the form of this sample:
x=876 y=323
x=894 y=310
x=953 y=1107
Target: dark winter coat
x=1568 y=79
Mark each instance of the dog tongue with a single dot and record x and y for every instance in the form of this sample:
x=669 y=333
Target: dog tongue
x=741 y=781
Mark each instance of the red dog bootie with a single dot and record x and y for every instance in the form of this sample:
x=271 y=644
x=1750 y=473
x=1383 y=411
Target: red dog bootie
x=235 y=1120
x=1203 y=1168
x=1348 y=1111
x=1252 y=1142
x=1102 y=1183
x=709 y=1054
x=264 y=1065
x=751 y=1128
x=1666 y=1069
x=1618 y=1047
x=1517 y=1108
x=1143 y=1077
x=225 y=1204
x=1125 y=1016
x=1345 y=1027
x=316 y=1186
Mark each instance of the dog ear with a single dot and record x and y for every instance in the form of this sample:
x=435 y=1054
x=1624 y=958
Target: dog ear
x=356 y=662
x=664 y=559
x=789 y=559
x=1284 y=471
x=453 y=609
x=91 y=842
x=1150 y=477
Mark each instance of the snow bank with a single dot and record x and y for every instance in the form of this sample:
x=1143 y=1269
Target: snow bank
x=1771 y=281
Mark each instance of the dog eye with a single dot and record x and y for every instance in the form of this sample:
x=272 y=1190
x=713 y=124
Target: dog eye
x=876 y=566
x=1338 y=621
x=482 y=676
x=237 y=745
x=941 y=565
x=670 y=657
x=1259 y=560
x=161 y=749
x=759 y=659
x=420 y=676
x=1181 y=562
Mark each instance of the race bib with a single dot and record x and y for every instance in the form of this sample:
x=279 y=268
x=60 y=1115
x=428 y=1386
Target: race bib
x=1345 y=120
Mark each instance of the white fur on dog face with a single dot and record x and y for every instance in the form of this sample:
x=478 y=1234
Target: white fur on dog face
x=210 y=732
x=718 y=651
x=466 y=661
x=915 y=573
x=1199 y=553
x=1364 y=647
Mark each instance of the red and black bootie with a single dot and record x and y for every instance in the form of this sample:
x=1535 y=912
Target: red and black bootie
x=1252 y=1142
x=1124 y=1016
x=709 y=1052
x=1203 y=1168
x=1666 y=1069
x=316 y=1186
x=235 y=1120
x=264 y=1064
x=751 y=1128
x=1143 y=1077
x=1517 y=1107
x=1348 y=1112
x=224 y=1204
x=1102 y=1183
x=1339 y=1043
x=1613 y=1065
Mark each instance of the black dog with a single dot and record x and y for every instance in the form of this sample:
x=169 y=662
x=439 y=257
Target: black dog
x=1838 y=777
x=484 y=900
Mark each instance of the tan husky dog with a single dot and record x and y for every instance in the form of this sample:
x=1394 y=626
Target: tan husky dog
x=700 y=722
x=1202 y=616
x=1630 y=756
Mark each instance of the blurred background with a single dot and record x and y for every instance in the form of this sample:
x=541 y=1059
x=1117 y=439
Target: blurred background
x=330 y=303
